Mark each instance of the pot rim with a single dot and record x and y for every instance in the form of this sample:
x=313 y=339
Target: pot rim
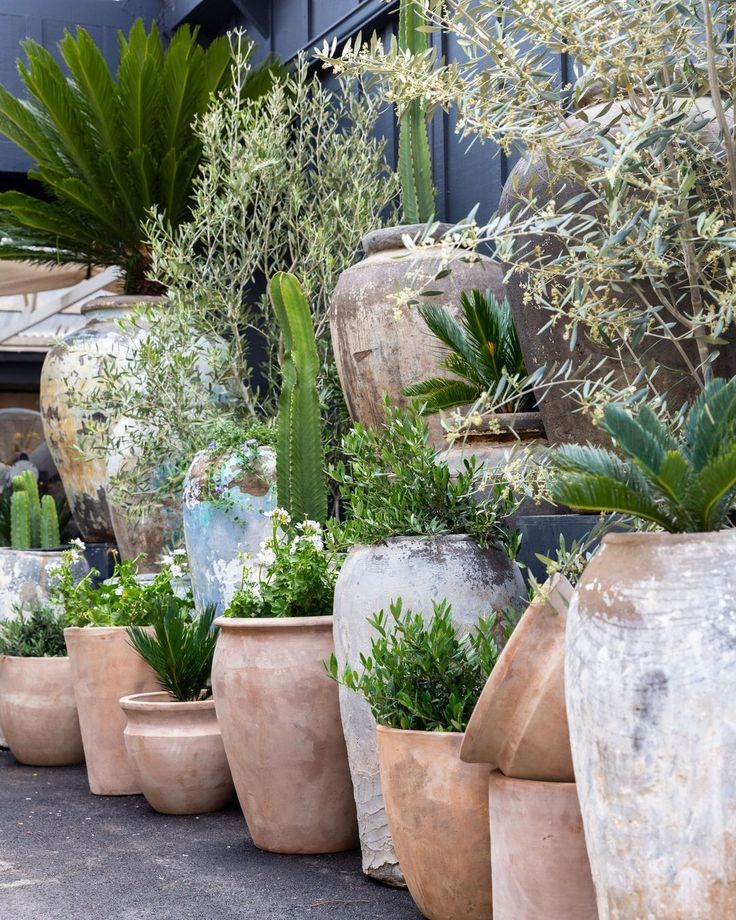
x=34 y=657
x=35 y=550
x=385 y=238
x=407 y=732
x=142 y=702
x=323 y=622
x=118 y=302
x=497 y=776
x=417 y=538
x=97 y=630
x=670 y=539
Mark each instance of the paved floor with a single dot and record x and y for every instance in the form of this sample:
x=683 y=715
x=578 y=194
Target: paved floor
x=69 y=855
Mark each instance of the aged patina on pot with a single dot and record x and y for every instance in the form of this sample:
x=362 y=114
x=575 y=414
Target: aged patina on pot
x=105 y=668
x=73 y=365
x=176 y=752
x=382 y=347
x=279 y=715
x=220 y=530
x=437 y=810
x=38 y=711
x=654 y=616
x=419 y=570
x=25 y=575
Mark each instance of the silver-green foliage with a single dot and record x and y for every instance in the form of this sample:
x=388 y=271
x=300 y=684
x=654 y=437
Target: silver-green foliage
x=300 y=454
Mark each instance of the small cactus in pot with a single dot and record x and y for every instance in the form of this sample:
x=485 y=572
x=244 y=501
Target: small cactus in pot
x=34 y=521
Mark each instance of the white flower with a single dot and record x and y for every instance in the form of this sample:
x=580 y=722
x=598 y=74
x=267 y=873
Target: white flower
x=119 y=590
x=266 y=557
x=280 y=516
x=166 y=559
x=78 y=543
x=176 y=571
x=179 y=552
x=309 y=527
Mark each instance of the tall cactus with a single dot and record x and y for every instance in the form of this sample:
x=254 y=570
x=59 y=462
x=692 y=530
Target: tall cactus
x=415 y=161
x=49 y=529
x=33 y=523
x=300 y=463
x=20 y=520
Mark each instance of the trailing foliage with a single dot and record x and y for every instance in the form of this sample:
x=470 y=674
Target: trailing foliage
x=107 y=148
x=681 y=479
x=300 y=453
x=34 y=522
x=422 y=676
x=33 y=632
x=483 y=349
x=394 y=483
x=293 y=575
x=181 y=648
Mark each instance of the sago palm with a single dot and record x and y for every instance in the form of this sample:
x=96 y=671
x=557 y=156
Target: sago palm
x=482 y=349
x=107 y=148
x=680 y=478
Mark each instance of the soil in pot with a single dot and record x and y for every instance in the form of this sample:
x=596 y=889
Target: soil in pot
x=176 y=753
x=279 y=715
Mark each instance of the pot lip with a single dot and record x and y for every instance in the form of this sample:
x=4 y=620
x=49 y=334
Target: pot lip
x=35 y=551
x=497 y=776
x=514 y=427
x=144 y=702
x=409 y=732
x=97 y=630
x=669 y=539
x=37 y=658
x=390 y=237
x=118 y=302
x=321 y=622
x=416 y=538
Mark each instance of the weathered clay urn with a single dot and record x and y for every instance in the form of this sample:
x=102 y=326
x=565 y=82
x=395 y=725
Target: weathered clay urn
x=539 y=862
x=219 y=531
x=105 y=668
x=380 y=347
x=176 y=752
x=143 y=529
x=419 y=570
x=651 y=679
x=280 y=721
x=437 y=809
x=71 y=368
x=25 y=576
x=38 y=711
x=519 y=724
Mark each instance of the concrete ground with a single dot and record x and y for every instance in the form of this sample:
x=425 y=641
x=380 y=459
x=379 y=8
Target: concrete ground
x=69 y=855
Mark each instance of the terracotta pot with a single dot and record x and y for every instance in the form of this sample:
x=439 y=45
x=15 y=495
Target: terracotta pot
x=379 y=350
x=176 y=753
x=437 y=809
x=104 y=669
x=651 y=673
x=419 y=570
x=519 y=724
x=539 y=863
x=72 y=366
x=219 y=533
x=280 y=721
x=38 y=712
x=25 y=576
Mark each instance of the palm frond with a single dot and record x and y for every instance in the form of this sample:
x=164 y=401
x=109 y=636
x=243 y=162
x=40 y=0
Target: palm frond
x=441 y=393
x=591 y=492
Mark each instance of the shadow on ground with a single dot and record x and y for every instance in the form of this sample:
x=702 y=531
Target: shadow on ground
x=69 y=855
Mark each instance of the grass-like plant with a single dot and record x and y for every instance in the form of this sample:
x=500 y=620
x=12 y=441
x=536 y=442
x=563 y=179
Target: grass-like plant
x=33 y=632
x=422 y=676
x=681 y=478
x=483 y=350
x=180 y=649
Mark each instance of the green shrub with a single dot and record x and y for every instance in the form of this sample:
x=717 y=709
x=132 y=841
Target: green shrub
x=34 y=632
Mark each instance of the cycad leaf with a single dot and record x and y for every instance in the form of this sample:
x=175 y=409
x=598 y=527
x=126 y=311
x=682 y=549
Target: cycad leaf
x=714 y=488
x=439 y=393
x=711 y=422
x=590 y=492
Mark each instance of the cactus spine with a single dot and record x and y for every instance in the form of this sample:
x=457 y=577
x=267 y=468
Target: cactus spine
x=415 y=162
x=300 y=457
x=33 y=523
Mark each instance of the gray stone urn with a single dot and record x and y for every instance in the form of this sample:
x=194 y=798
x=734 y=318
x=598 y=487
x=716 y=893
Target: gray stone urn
x=419 y=570
x=25 y=576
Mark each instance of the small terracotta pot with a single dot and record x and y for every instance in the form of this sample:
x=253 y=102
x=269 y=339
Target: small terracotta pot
x=538 y=858
x=280 y=720
x=38 y=712
x=176 y=753
x=437 y=809
x=519 y=724
x=105 y=668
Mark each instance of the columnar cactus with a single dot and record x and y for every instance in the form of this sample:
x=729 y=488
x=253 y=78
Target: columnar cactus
x=20 y=520
x=33 y=523
x=300 y=456
x=49 y=528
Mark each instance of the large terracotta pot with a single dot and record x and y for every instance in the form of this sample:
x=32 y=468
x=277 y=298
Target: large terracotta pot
x=419 y=570
x=38 y=711
x=538 y=859
x=105 y=668
x=71 y=368
x=379 y=348
x=176 y=753
x=218 y=533
x=280 y=721
x=651 y=679
x=25 y=576
x=519 y=724
x=437 y=809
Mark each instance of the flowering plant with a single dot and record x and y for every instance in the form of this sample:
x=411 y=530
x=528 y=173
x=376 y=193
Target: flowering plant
x=122 y=600
x=293 y=575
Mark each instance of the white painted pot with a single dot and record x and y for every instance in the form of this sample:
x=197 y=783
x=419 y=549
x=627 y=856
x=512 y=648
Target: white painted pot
x=420 y=570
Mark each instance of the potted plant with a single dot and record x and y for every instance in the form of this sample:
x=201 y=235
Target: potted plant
x=421 y=680
x=104 y=666
x=421 y=533
x=652 y=616
x=172 y=736
x=37 y=708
